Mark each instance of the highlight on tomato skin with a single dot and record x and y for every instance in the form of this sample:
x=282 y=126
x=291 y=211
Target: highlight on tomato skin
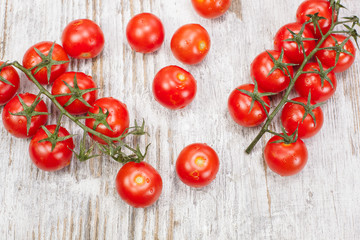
x=211 y=8
x=197 y=165
x=174 y=88
x=145 y=33
x=285 y=159
x=83 y=39
x=139 y=184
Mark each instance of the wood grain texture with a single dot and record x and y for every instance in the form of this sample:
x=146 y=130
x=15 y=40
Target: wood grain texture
x=246 y=201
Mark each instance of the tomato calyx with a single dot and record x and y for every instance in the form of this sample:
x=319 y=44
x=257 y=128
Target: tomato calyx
x=352 y=31
x=322 y=73
x=280 y=64
x=76 y=93
x=285 y=137
x=2 y=79
x=299 y=39
x=85 y=153
x=54 y=138
x=315 y=18
x=100 y=118
x=46 y=62
x=257 y=96
x=336 y=5
x=308 y=107
x=115 y=151
x=29 y=111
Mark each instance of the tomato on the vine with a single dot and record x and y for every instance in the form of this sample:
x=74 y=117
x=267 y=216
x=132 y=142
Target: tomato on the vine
x=312 y=83
x=328 y=57
x=173 y=87
x=263 y=64
x=85 y=90
x=83 y=39
x=291 y=48
x=285 y=159
x=211 y=8
x=117 y=119
x=7 y=91
x=47 y=158
x=139 y=184
x=197 y=165
x=17 y=124
x=239 y=107
x=190 y=43
x=292 y=118
x=145 y=33
x=32 y=58
x=311 y=7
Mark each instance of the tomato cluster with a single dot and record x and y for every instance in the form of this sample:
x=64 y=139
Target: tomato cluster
x=273 y=71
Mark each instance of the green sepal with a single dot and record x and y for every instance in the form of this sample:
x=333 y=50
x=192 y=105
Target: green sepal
x=2 y=79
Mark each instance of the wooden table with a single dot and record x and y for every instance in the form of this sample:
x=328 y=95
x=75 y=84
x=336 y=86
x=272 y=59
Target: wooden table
x=246 y=201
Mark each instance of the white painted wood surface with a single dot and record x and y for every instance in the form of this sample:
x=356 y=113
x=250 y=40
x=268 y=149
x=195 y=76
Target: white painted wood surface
x=246 y=201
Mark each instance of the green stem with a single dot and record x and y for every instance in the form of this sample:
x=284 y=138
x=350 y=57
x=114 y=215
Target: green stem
x=265 y=128
x=76 y=120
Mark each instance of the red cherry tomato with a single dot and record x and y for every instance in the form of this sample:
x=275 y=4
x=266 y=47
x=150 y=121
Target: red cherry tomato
x=311 y=82
x=261 y=67
x=16 y=125
x=173 y=87
x=292 y=115
x=84 y=82
x=239 y=107
x=145 y=33
x=83 y=39
x=310 y=7
x=211 y=8
x=197 y=165
x=291 y=48
x=328 y=57
x=139 y=184
x=6 y=90
x=44 y=157
x=190 y=43
x=32 y=58
x=118 y=118
x=285 y=159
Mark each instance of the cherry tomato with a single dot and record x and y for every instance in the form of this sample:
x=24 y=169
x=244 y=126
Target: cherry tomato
x=139 y=184
x=6 y=90
x=83 y=39
x=292 y=115
x=328 y=57
x=32 y=58
x=118 y=118
x=239 y=107
x=291 y=48
x=190 y=44
x=311 y=82
x=145 y=33
x=211 y=8
x=173 y=87
x=197 y=165
x=44 y=157
x=261 y=67
x=285 y=159
x=16 y=125
x=84 y=82
x=316 y=6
